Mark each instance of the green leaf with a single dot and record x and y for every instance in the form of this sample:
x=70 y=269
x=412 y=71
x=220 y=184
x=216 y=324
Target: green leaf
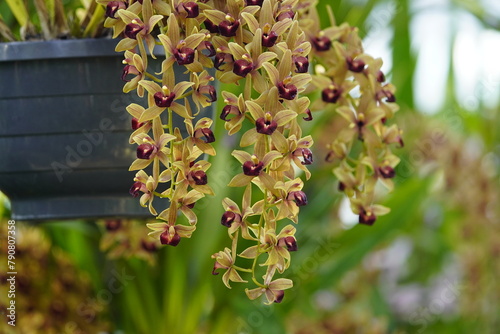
x=96 y=19
x=360 y=240
x=19 y=10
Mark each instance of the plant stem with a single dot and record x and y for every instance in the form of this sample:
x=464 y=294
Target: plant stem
x=242 y=269
x=152 y=77
x=185 y=95
x=261 y=220
x=170 y=125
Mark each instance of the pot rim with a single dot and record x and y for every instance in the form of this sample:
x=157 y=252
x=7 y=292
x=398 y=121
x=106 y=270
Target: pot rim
x=63 y=49
x=58 y=49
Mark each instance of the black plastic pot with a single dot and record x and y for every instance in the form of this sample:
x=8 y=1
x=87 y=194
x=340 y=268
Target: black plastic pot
x=64 y=131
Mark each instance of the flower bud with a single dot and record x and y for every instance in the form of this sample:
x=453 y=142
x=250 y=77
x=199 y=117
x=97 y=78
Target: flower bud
x=278 y=296
x=229 y=217
x=191 y=9
x=199 y=177
x=287 y=92
x=132 y=29
x=113 y=224
x=301 y=64
x=164 y=101
x=221 y=58
x=208 y=134
x=355 y=65
x=112 y=8
x=229 y=110
x=367 y=217
x=309 y=115
x=129 y=69
x=266 y=127
x=135 y=190
x=217 y=265
x=306 y=155
x=207 y=49
x=167 y=239
x=299 y=197
x=242 y=67
x=390 y=96
x=145 y=151
x=380 y=76
x=135 y=123
x=268 y=40
x=228 y=29
x=387 y=172
x=321 y=43
x=289 y=242
x=184 y=56
x=210 y=90
x=387 y=94
x=331 y=94
x=212 y=27
x=252 y=169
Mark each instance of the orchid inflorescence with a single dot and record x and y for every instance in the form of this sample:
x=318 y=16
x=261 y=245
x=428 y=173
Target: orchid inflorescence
x=266 y=47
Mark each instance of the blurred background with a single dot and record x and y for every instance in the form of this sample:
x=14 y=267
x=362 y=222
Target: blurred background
x=430 y=266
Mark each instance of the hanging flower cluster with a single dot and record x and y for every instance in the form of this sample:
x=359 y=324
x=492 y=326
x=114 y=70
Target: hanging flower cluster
x=262 y=46
x=352 y=86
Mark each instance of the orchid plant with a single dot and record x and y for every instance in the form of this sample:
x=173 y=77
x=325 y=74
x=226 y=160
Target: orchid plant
x=33 y=20
x=289 y=69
